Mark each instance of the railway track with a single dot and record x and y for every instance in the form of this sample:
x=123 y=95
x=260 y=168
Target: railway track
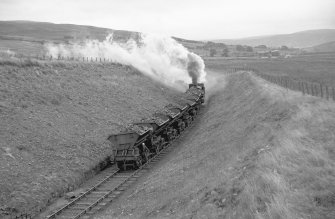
x=110 y=188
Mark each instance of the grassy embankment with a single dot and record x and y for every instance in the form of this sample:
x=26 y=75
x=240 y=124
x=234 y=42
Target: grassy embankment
x=55 y=118
x=260 y=152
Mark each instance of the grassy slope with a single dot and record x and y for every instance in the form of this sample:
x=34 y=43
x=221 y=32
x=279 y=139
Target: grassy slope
x=27 y=37
x=260 y=152
x=325 y=47
x=55 y=118
x=313 y=68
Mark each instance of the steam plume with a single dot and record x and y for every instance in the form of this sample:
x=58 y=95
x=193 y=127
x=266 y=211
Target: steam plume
x=159 y=57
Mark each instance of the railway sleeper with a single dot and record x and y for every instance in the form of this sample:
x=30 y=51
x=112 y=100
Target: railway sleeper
x=122 y=176
x=69 y=214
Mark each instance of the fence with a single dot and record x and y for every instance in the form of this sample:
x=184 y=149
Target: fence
x=62 y=58
x=71 y=58
x=310 y=88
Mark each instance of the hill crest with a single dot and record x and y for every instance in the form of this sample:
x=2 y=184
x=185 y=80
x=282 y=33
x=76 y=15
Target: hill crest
x=302 y=39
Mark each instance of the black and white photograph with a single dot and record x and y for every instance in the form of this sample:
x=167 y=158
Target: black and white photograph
x=180 y=109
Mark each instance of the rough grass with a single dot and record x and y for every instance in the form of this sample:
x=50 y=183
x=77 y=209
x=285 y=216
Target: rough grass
x=260 y=152
x=55 y=118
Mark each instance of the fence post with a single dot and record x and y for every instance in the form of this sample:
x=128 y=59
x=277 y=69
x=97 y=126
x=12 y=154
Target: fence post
x=312 y=89
x=303 y=88
x=327 y=93
x=321 y=91
x=333 y=93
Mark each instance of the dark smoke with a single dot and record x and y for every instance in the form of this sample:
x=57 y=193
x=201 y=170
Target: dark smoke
x=193 y=68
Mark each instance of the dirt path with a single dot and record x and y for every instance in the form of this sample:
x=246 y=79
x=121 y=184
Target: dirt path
x=248 y=159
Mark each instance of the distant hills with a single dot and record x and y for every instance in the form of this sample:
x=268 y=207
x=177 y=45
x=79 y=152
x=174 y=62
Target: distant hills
x=301 y=39
x=29 y=37
x=39 y=31
x=325 y=47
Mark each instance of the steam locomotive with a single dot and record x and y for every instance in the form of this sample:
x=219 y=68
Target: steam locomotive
x=143 y=139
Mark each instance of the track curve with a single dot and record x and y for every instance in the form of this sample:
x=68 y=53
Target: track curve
x=108 y=189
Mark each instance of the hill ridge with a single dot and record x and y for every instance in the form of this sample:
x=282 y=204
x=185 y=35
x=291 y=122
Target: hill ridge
x=301 y=39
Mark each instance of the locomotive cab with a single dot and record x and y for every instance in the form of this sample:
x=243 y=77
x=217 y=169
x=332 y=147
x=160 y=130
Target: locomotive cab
x=198 y=86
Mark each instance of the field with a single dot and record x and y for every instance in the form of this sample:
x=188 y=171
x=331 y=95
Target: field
x=313 y=68
x=55 y=118
x=24 y=48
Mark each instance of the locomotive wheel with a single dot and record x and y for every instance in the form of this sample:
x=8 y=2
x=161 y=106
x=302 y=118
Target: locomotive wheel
x=120 y=165
x=159 y=148
x=146 y=157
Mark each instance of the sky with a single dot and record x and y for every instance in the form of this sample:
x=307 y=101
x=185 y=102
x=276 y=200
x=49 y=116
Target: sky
x=190 y=19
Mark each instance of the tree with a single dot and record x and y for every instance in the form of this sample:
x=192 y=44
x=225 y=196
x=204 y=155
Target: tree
x=209 y=44
x=249 y=49
x=283 y=48
x=261 y=47
x=212 y=52
x=225 y=52
x=239 y=48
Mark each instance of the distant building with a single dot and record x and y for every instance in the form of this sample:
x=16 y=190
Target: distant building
x=264 y=54
x=269 y=54
x=261 y=47
x=275 y=53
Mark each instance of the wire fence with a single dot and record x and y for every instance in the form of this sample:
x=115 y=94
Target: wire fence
x=307 y=88
x=72 y=58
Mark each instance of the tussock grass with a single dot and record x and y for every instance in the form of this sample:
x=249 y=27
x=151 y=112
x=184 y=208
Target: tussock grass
x=295 y=178
x=19 y=62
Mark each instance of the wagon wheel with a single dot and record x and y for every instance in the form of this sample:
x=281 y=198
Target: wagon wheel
x=157 y=149
x=138 y=163
x=120 y=165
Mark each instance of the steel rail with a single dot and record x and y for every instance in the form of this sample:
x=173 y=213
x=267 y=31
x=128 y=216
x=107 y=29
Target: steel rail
x=103 y=182
x=82 y=195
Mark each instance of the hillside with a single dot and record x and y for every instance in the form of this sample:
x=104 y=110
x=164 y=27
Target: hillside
x=55 y=118
x=325 y=47
x=258 y=151
x=39 y=31
x=298 y=40
x=28 y=37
